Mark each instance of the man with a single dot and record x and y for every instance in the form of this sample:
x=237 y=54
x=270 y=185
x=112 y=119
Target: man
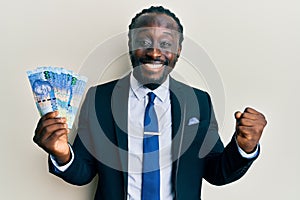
x=142 y=134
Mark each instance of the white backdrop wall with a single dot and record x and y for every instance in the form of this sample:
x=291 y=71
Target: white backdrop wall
x=254 y=45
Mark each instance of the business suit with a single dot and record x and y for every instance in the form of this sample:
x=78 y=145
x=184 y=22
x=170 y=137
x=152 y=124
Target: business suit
x=102 y=136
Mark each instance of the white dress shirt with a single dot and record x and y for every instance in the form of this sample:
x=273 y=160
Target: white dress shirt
x=137 y=103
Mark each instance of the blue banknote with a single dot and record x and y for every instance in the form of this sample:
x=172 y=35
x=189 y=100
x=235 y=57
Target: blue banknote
x=57 y=89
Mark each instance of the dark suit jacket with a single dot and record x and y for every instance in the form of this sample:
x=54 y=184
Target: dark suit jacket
x=101 y=144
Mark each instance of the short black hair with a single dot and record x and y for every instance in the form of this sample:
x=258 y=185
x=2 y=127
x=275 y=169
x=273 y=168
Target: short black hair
x=158 y=10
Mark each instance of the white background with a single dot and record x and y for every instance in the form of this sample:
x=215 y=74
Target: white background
x=255 y=46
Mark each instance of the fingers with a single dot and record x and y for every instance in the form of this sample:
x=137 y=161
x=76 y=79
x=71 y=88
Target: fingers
x=48 y=123
x=249 y=113
x=245 y=122
x=50 y=128
x=250 y=110
x=249 y=128
x=250 y=118
x=51 y=134
x=56 y=135
x=49 y=115
x=253 y=114
x=247 y=131
x=237 y=115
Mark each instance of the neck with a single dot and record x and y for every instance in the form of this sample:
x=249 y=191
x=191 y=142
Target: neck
x=152 y=86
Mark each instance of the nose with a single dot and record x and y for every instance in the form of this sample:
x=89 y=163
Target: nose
x=154 y=53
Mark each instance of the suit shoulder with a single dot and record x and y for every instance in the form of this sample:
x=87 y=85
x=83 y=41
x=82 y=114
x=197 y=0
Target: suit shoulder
x=106 y=85
x=109 y=86
x=197 y=91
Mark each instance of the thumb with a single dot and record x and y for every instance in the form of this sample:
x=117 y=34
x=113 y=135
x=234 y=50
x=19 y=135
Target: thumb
x=237 y=115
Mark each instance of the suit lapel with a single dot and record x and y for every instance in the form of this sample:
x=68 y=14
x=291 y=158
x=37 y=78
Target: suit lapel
x=178 y=110
x=178 y=113
x=120 y=113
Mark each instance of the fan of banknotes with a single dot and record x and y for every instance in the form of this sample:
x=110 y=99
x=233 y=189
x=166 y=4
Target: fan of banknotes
x=57 y=89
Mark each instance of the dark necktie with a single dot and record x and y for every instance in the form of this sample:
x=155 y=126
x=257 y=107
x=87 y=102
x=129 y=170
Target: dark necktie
x=151 y=174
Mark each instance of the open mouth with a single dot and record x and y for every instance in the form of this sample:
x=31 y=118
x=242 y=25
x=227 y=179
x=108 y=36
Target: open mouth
x=154 y=65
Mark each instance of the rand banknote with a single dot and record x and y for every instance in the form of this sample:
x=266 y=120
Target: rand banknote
x=57 y=89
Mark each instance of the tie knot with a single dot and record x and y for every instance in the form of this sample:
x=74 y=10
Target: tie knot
x=151 y=97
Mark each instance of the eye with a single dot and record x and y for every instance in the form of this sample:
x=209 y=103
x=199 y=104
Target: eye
x=165 y=45
x=144 y=43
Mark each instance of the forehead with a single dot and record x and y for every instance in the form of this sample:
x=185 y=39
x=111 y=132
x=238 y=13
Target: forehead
x=156 y=20
x=153 y=32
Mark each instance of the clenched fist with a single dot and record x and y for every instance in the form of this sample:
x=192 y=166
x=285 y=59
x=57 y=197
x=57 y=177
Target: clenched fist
x=51 y=134
x=249 y=127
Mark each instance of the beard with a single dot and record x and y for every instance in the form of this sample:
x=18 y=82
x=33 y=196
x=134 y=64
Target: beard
x=150 y=79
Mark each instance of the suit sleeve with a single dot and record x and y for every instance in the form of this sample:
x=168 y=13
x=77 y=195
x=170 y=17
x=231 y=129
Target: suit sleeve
x=223 y=165
x=83 y=168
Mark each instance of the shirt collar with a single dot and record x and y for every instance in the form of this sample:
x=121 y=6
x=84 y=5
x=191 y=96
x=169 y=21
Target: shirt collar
x=141 y=91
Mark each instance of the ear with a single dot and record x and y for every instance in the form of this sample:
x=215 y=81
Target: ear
x=129 y=40
x=129 y=44
x=178 y=51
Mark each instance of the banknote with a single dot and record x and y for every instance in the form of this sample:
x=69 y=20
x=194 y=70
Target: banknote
x=57 y=89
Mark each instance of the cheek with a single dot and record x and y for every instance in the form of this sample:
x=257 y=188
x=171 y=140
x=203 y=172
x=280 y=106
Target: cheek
x=140 y=52
x=137 y=53
x=171 y=57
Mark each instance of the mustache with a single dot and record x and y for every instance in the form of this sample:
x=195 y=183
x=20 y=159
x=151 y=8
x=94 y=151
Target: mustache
x=153 y=61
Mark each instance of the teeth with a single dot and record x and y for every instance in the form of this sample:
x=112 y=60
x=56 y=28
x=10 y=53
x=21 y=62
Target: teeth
x=154 y=66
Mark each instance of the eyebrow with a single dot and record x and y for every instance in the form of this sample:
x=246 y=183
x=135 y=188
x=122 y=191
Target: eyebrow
x=143 y=30
x=169 y=33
